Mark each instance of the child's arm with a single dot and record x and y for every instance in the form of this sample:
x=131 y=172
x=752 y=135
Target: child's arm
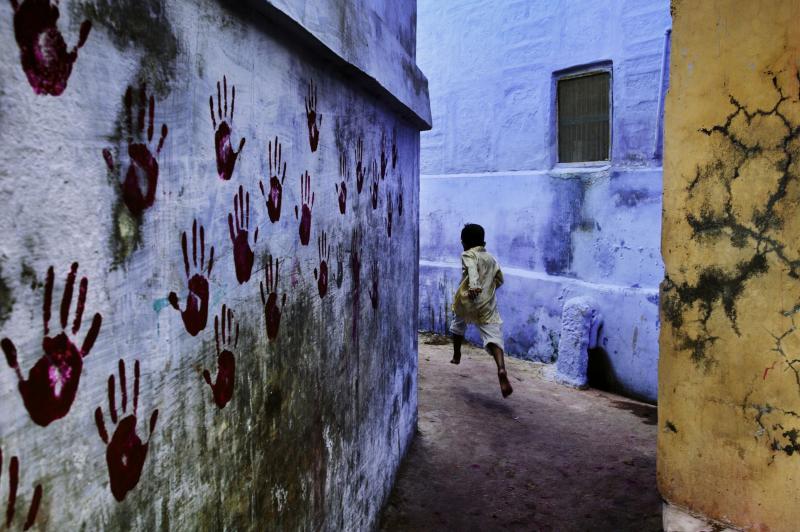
x=498 y=278
x=469 y=264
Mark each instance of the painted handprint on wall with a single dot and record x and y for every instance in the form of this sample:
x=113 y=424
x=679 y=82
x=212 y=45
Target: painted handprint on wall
x=277 y=176
x=226 y=156
x=394 y=148
x=389 y=212
x=195 y=314
x=312 y=116
x=360 y=167
x=125 y=451
x=373 y=170
x=355 y=272
x=339 y=265
x=341 y=188
x=54 y=378
x=373 y=291
x=321 y=273
x=43 y=51
x=269 y=298
x=384 y=156
x=238 y=225
x=141 y=179
x=226 y=362
x=303 y=212
x=13 y=486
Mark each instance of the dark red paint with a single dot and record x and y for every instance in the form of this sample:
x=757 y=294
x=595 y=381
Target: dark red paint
x=400 y=202
x=142 y=171
x=389 y=212
x=355 y=271
x=125 y=453
x=373 y=291
x=272 y=312
x=311 y=116
x=226 y=156
x=226 y=363
x=273 y=200
x=394 y=148
x=13 y=485
x=242 y=253
x=43 y=52
x=303 y=213
x=339 y=266
x=341 y=188
x=384 y=157
x=360 y=167
x=374 y=186
x=195 y=314
x=321 y=276
x=53 y=381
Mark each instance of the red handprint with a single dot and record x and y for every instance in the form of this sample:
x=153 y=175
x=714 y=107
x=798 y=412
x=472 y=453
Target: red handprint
x=360 y=168
x=394 y=147
x=142 y=165
x=53 y=381
x=195 y=314
x=125 y=452
x=384 y=158
x=341 y=189
x=303 y=213
x=400 y=201
x=355 y=271
x=274 y=199
x=272 y=312
x=374 y=188
x=226 y=156
x=311 y=116
x=43 y=52
x=339 y=266
x=242 y=253
x=389 y=209
x=226 y=363
x=13 y=484
x=373 y=291
x=324 y=257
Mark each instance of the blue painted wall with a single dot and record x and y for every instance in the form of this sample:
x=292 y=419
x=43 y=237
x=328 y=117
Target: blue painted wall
x=558 y=231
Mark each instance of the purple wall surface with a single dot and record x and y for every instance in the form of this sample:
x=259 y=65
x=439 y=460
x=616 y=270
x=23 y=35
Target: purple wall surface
x=558 y=230
x=209 y=262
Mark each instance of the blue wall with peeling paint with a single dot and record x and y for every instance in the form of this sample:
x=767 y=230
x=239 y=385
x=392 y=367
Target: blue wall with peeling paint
x=558 y=231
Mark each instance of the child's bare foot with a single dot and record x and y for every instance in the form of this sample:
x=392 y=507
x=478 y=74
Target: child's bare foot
x=456 y=359
x=505 y=386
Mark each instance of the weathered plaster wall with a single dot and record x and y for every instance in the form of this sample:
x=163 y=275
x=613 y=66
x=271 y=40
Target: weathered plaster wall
x=491 y=159
x=285 y=382
x=729 y=392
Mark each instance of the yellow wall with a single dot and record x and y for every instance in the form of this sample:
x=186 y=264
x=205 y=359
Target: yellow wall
x=729 y=385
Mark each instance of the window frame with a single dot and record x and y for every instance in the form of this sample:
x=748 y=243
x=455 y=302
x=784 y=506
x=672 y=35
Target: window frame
x=600 y=67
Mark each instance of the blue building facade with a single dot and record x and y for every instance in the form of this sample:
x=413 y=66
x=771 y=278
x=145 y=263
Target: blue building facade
x=560 y=230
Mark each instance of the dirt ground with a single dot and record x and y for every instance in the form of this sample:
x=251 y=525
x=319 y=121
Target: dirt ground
x=547 y=458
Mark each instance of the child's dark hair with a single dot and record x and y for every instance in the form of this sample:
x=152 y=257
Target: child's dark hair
x=472 y=235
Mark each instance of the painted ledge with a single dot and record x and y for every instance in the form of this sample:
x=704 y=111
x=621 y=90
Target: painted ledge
x=354 y=38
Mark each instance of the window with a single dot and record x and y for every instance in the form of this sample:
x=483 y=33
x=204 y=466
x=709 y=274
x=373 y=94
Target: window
x=583 y=118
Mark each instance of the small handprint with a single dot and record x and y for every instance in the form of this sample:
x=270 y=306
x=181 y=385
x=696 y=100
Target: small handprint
x=273 y=200
x=339 y=265
x=141 y=178
x=400 y=202
x=195 y=314
x=384 y=157
x=53 y=381
x=13 y=485
x=226 y=156
x=373 y=291
x=242 y=252
x=374 y=187
x=360 y=167
x=355 y=272
x=125 y=452
x=226 y=363
x=43 y=52
x=272 y=312
x=321 y=276
x=389 y=209
x=303 y=213
x=311 y=116
x=394 y=147
x=341 y=188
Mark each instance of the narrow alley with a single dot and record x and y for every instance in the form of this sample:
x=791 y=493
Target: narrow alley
x=548 y=458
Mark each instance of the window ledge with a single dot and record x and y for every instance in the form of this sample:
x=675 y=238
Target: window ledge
x=570 y=169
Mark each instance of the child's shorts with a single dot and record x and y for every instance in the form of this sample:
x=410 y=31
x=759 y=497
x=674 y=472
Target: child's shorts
x=491 y=333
